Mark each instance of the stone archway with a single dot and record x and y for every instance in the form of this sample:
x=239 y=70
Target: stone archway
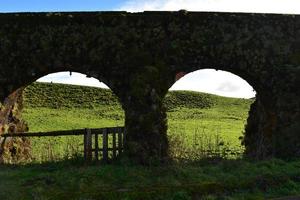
x=139 y=54
x=207 y=112
x=51 y=108
x=259 y=143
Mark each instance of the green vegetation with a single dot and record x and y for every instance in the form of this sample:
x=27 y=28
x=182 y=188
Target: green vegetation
x=202 y=129
x=228 y=180
x=221 y=121
x=197 y=121
x=67 y=96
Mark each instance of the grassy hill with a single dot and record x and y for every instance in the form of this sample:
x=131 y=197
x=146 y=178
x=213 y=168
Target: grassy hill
x=52 y=95
x=193 y=118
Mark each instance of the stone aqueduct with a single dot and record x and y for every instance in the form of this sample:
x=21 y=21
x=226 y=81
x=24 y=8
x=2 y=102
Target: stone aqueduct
x=138 y=55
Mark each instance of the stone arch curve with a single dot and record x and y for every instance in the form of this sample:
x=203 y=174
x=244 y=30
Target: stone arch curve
x=247 y=79
x=30 y=78
x=264 y=121
x=13 y=92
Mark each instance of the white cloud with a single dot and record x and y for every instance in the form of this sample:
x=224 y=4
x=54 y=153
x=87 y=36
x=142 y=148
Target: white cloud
x=228 y=87
x=215 y=82
x=74 y=79
x=259 y=6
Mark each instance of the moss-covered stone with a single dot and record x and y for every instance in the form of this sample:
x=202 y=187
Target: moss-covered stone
x=13 y=150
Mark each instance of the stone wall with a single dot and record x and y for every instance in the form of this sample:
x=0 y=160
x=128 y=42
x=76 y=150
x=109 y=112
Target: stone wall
x=138 y=55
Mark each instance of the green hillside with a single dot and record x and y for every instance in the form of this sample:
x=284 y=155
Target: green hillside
x=52 y=95
x=193 y=118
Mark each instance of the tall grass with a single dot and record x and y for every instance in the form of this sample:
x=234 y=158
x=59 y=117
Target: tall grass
x=55 y=149
x=184 y=146
x=201 y=144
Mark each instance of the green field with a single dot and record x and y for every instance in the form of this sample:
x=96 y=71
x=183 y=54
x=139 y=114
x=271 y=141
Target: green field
x=200 y=121
x=203 y=130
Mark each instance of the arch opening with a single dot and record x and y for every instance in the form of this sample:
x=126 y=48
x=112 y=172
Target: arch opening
x=60 y=101
x=207 y=113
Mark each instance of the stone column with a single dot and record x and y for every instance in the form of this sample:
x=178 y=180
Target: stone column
x=273 y=126
x=145 y=118
x=260 y=128
x=146 y=128
x=287 y=135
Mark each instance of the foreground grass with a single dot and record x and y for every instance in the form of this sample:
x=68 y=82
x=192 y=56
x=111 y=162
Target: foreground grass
x=208 y=180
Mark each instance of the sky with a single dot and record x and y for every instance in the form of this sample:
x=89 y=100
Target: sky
x=206 y=80
x=211 y=81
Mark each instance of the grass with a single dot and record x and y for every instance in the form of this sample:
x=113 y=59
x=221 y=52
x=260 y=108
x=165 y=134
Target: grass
x=216 y=180
x=202 y=123
x=193 y=117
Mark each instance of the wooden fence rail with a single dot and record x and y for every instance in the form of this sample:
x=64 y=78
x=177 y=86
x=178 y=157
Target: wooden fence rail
x=112 y=140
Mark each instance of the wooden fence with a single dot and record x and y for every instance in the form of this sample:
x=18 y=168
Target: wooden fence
x=110 y=135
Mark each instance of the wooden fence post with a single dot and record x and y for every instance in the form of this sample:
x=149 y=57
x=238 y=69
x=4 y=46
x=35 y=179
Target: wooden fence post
x=88 y=145
x=120 y=141
x=115 y=130
x=122 y=129
x=96 y=147
x=84 y=145
x=105 y=145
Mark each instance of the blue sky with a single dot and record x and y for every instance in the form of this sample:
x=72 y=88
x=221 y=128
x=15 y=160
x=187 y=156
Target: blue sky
x=265 y=6
x=56 y=5
x=216 y=82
